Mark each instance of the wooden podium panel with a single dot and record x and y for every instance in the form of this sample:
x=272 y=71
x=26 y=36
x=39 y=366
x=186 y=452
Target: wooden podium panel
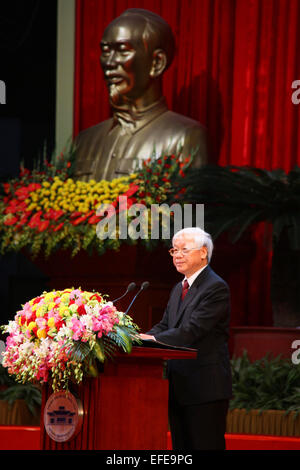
x=126 y=407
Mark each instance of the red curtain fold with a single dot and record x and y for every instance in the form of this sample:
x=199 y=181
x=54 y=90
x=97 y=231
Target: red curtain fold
x=233 y=71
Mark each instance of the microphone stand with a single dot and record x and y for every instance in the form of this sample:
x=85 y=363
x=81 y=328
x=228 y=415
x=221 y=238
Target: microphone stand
x=144 y=286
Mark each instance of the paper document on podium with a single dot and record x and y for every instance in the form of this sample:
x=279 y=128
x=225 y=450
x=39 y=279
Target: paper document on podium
x=158 y=344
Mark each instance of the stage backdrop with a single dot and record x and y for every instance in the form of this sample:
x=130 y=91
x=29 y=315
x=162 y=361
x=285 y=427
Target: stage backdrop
x=234 y=68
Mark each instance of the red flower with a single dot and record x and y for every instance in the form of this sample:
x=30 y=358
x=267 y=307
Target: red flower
x=11 y=221
x=15 y=206
x=94 y=219
x=97 y=297
x=24 y=172
x=34 y=330
x=6 y=187
x=75 y=214
x=34 y=187
x=131 y=190
x=79 y=220
x=43 y=225
x=81 y=308
x=53 y=214
x=22 y=193
x=58 y=227
x=35 y=220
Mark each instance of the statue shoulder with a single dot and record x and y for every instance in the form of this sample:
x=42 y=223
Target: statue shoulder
x=184 y=123
x=94 y=131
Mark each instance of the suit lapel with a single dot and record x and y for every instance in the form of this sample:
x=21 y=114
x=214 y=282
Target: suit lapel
x=194 y=289
x=175 y=304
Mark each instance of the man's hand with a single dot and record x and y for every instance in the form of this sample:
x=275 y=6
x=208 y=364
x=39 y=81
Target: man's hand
x=142 y=336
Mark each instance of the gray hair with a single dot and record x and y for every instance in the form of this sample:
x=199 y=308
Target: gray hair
x=201 y=238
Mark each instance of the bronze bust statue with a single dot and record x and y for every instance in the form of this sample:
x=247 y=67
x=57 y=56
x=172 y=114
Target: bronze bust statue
x=136 y=49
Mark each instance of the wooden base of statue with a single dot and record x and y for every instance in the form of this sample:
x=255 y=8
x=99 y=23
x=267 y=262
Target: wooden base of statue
x=126 y=407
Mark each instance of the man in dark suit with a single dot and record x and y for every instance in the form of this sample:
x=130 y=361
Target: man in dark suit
x=197 y=316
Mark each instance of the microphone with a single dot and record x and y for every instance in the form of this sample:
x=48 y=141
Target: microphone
x=131 y=287
x=144 y=286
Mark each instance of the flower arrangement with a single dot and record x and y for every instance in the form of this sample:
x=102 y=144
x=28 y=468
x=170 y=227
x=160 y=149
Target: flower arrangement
x=60 y=336
x=47 y=208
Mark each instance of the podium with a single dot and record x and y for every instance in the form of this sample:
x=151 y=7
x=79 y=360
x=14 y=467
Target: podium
x=125 y=407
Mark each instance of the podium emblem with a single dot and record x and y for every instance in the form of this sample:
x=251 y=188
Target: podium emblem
x=63 y=416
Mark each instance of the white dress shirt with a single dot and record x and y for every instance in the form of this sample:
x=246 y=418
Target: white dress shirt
x=191 y=279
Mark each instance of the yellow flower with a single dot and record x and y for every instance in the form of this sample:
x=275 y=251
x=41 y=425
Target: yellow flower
x=31 y=325
x=41 y=333
x=51 y=322
x=39 y=312
x=51 y=305
x=49 y=296
x=63 y=310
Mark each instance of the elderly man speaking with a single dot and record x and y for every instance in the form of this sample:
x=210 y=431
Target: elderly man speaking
x=197 y=316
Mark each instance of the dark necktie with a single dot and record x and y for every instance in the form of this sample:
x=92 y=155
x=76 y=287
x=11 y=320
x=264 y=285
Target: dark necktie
x=185 y=288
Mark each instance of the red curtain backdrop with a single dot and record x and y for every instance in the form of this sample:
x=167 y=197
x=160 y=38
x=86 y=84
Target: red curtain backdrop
x=235 y=64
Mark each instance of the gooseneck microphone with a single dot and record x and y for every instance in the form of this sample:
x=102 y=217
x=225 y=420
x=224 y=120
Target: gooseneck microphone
x=144 y=286
x=131 y=287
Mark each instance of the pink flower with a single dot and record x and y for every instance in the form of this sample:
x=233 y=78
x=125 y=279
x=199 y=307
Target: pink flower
x=77 y=328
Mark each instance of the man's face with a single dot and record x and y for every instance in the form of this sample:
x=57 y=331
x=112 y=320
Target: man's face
x=193 y=260
x=125 y=61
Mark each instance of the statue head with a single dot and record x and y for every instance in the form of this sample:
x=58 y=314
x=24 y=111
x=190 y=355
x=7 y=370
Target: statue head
x=136 y=49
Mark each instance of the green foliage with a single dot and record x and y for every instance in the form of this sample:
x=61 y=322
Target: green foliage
x=5 y=378
x=15 y=391
x=265 y=384
x=123 y=336
x=236 y=197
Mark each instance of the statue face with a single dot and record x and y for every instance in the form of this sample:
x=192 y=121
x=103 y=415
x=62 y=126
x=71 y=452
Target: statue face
x=125 y=61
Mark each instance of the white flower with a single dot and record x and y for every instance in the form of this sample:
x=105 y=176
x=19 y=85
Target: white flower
x=73 y=308
x=64 y=332
x=87 y=321
x=12 y=327
x=26 y=348
x=91 y=309
x=44 y=347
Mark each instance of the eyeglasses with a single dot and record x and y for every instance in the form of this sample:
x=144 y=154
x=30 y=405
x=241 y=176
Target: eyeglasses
x=183 y=251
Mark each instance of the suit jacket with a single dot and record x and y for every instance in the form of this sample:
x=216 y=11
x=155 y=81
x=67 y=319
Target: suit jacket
x=200 y=321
